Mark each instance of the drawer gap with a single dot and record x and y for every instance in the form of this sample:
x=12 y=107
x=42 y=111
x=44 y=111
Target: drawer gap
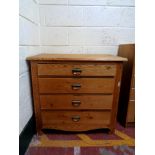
x=76 y=94
x=76 y=110
x=74 y=77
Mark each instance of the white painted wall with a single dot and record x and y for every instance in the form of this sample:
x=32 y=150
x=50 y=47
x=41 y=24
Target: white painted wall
x=28 y=45
x=86 y=26
x=69 y=26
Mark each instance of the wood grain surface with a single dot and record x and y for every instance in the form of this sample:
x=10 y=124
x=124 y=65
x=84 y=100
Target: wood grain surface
x=64 y=120
x=68 y=85
x=128 y=82
x=75 y=102
x=70 y=69
x=76 y=57
x=75 y=92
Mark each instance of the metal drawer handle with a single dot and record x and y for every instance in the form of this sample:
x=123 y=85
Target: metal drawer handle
x=108 y=67
x=76 y=71
x=76 y=118
x=76 y=86
x=76 y=103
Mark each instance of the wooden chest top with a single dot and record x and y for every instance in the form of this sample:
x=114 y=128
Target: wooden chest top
x=76 y=57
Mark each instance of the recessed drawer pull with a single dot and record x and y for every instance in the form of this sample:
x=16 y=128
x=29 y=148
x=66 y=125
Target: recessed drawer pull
x=76 y=118
x=76 y=86
x=76 y=71
x=76 y=103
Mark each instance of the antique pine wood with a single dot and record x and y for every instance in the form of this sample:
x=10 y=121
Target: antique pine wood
x=35 y=91
x=126 y=108
x=132 y=94
x=75 y=92
x=77 y=57
x=66 y=69
x=66 y=120
x=68 y=85
x=116 y=96
x=131 y=110
x=131 y=104
x=77 y=101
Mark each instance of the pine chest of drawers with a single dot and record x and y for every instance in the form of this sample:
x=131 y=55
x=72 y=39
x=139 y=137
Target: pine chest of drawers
x=74 y=92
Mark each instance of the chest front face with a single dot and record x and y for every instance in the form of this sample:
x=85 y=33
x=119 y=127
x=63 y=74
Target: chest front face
x=75 y=95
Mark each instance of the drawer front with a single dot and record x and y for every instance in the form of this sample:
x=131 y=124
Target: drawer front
x=76 y=70
x=76 y=85
x=75 y=120
x=132 y=94
x=133 y=82
x=131 y=112
x=76 y=101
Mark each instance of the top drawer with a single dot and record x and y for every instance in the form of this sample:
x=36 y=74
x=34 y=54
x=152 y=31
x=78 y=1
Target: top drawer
x=77 y=69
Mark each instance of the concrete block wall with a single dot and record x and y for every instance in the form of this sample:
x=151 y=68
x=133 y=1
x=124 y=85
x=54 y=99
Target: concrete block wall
x=86 y=26
x=28 y=45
